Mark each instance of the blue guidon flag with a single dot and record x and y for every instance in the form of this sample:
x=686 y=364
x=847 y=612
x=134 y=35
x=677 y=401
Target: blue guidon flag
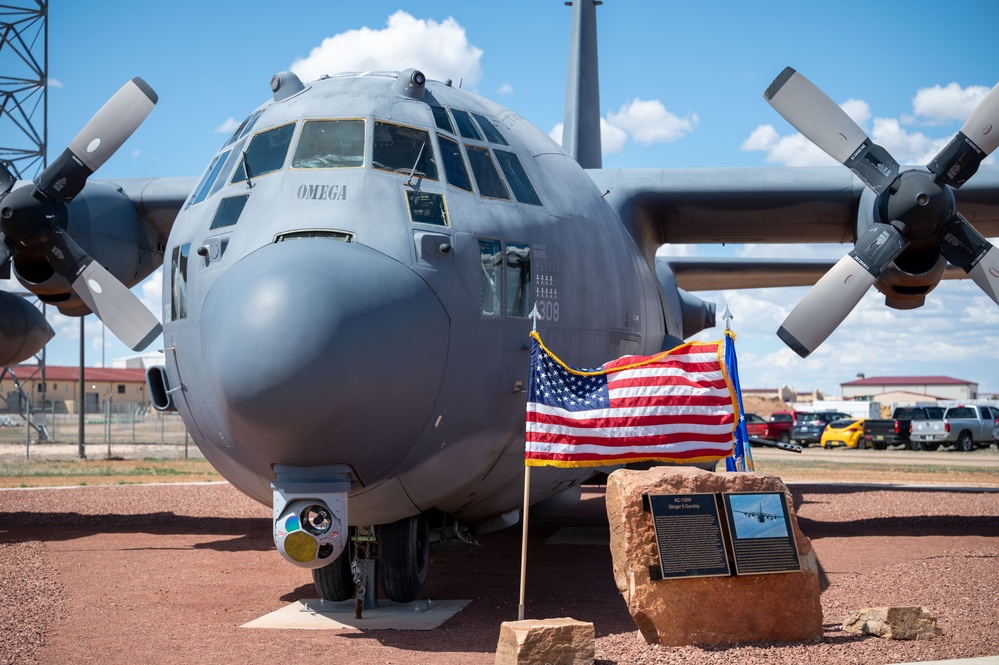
x=676 y=406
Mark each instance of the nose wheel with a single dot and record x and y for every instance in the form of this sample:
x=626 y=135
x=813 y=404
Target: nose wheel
x=403 y=549
x=404 y=554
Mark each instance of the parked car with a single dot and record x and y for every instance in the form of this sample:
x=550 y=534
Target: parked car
x=756 y=426
x=895 y=432
x=779 y=426
x=808 y=427
x=964 y=427
x=844 y=433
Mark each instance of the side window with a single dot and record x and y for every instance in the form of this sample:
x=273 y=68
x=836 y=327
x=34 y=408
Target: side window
x=210 y=175
x=517 y=177
x=492 y=278
x=178 y=282
x=328 y=144
x=404 y=150
x=454 y=165
x=265 y=153
x=227 y=169
x=229 y=211
x=486 y=175
x=518 y=279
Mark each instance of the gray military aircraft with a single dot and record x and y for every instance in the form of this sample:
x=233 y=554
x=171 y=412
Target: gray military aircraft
x=348 y=288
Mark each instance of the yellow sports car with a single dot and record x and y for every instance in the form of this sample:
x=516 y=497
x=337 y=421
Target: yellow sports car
x=844 y=433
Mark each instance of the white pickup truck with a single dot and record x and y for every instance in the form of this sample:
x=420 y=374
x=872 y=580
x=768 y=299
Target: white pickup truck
x=963 y=427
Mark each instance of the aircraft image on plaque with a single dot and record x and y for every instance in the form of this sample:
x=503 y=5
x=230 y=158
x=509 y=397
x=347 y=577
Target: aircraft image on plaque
x=758 y=515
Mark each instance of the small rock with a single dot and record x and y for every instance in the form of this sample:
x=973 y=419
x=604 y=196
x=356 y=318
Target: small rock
x=562 y=641
x=896 y=623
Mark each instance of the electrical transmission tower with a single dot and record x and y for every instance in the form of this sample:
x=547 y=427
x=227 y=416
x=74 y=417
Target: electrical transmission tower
x=24 y=68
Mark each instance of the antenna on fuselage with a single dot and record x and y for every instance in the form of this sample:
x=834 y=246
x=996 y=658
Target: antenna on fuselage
x=581 y=124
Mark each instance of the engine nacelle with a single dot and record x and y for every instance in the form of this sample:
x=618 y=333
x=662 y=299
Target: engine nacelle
x=907 y=290
x=310 y=513
x=23 y=329
x=107 y=226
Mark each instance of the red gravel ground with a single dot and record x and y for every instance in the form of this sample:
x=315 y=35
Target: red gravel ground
x=151 y=574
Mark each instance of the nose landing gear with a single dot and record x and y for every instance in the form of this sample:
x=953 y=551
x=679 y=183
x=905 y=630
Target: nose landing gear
x=402 y=550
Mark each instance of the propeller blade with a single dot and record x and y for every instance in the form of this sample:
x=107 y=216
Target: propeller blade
x=97 y=141
x=7 y=180
x=825 y=124
x=978 y=137
x=835 y=295
x=117 y=307
x=964 y=246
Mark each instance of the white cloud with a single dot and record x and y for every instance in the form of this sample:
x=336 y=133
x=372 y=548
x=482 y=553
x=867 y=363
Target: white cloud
x=228 y=127
x=54 y=83
x=439 y=50
x=792 y=150
x=931 y=106
x=648 y=122
x=504 y=89
x=947 y=103
x=612 y=139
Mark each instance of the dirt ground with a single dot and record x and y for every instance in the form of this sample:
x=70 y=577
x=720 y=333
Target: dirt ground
x=170 y=573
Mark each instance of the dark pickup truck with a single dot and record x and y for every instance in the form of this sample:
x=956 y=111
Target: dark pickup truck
x=880 y=434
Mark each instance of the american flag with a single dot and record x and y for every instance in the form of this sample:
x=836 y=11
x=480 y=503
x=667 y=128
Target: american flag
x=678 y=405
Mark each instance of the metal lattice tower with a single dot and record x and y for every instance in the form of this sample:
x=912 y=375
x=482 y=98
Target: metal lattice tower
x=24 y=65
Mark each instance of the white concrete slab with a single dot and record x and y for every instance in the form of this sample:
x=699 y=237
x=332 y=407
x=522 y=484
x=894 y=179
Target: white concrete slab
x=315 y=614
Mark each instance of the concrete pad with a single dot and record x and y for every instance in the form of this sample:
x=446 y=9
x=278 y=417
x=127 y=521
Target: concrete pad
x=325 y=615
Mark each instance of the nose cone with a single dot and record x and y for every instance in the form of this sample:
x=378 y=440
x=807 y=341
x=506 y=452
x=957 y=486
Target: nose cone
x=324 y=352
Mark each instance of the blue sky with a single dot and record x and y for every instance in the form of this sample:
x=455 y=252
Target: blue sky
x=681 y=85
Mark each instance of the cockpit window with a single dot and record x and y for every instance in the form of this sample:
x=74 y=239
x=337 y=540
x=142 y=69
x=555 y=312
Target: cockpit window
x=404 y=150
x=454 y=165
x=227 y=168
x=486 y=175
x=328 y=144
x=517 y=177
x=210 y=175
x=229 y=211
x=442 y=119
x=466 y=127
x=178 y=281
x=245 y=127
x=266 y=152
x=492 y=134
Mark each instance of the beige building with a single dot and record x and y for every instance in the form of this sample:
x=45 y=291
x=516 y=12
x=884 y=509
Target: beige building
x=61 y=388
x=909 y=389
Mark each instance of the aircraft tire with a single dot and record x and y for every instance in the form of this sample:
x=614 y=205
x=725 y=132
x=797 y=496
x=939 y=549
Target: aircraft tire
x=404 y=554
x=334 y=581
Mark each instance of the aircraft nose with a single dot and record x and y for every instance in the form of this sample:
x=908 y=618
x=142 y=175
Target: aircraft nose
x=324 y=352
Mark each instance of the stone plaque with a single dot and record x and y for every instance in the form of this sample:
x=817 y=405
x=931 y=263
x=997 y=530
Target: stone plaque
x=689 y=535
x=761 y=534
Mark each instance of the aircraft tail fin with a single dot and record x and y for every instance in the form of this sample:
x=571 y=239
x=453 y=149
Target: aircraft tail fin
x=581 y=124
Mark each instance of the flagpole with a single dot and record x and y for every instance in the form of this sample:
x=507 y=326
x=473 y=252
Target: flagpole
x=534 y=316
x=523 y=549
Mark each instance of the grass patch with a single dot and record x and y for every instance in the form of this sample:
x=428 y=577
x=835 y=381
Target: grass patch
x=47 y=473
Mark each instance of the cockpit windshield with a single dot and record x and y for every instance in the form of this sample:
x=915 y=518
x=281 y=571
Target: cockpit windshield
x=327 y=144
x=404 y=150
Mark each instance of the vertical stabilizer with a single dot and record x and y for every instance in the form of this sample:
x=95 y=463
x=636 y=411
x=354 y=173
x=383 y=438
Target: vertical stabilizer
x=581 y=125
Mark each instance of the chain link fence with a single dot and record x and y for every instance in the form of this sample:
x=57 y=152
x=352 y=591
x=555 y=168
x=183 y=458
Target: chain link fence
x=119 y=430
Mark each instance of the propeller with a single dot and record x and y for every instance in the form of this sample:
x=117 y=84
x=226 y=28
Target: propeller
x=914 y=208
x=33 y=219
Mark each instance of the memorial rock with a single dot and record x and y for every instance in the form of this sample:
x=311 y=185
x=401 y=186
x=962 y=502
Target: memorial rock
x=780 y=607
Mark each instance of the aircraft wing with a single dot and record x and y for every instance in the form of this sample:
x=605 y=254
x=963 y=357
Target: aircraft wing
x=761 y=205
x=157 y=200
